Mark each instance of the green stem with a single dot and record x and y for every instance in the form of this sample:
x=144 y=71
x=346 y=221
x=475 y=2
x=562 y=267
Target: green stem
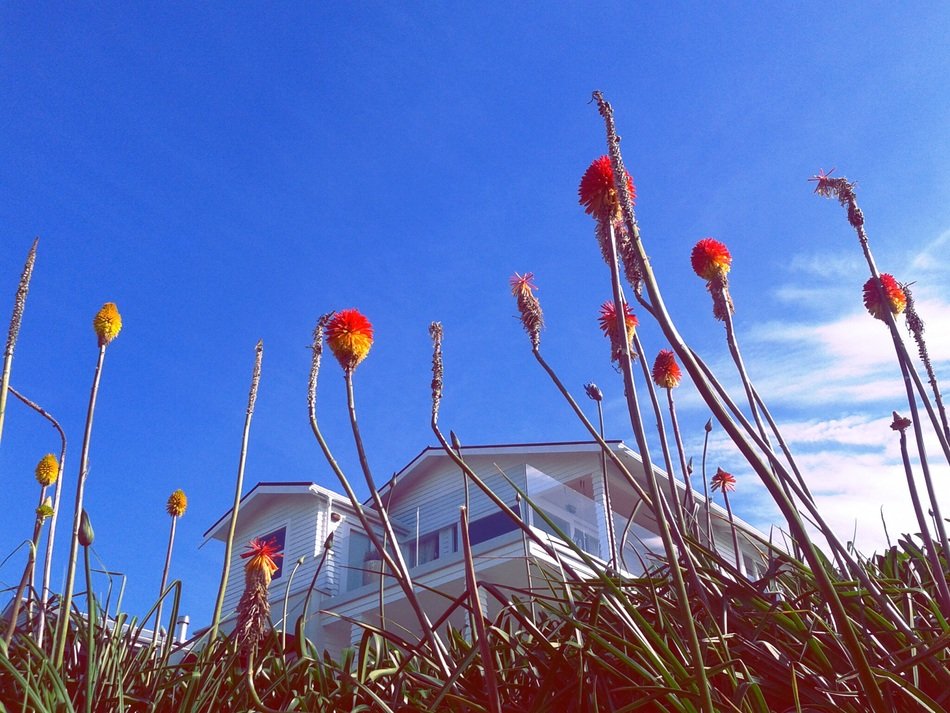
x=161 y=589
x=238 y=487
x=66 y=602
x=402 y=571
x=941 y=581
x=90 y=633
x=633 y=411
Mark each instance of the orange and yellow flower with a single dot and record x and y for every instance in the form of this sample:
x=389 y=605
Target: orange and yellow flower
x=47 y=470
x=608 y=324
x=896 y=299
x=177 y=503
x=666 y=372
x=710 y=259
x=107 y=323
x=260 y=557
x=350 y=336
x=726 y=482
x=597 y=191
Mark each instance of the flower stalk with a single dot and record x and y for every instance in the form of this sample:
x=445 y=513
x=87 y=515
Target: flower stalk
x=238 y=487
x=763 y=470
x=175 y=507
x=107 y=323
x=19 y=305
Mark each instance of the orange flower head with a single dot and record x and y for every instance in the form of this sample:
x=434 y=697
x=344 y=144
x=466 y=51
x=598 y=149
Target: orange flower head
x=666 y=372
x=710 y=259
x=723 y=481
x=177 y=503
x=260 y=557
x=608 y=324
x=107 y=323
x=350 y=336
x=598 y=193
x=47 y=470
x=896 y=299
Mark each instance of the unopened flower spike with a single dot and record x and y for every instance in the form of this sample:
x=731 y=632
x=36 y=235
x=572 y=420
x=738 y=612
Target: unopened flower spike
x=666 y=372
x=45 y=510
x=47 y=470
x=350 y=336
x=107 y=323
x=608 y=325
x=900 y=423
x=598 y=192
x=896 y=300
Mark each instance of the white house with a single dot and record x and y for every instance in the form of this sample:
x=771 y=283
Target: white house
x=565 y=480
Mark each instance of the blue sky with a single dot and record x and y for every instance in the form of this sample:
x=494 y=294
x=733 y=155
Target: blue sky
x=226 y=174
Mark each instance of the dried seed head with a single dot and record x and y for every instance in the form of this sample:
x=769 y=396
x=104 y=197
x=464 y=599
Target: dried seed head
x=435 y=332
x=532 y=319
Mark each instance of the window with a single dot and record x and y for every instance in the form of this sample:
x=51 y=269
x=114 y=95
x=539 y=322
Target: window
x=357 y=548
x=486 y=528
x=427 y=549
x=276 y=539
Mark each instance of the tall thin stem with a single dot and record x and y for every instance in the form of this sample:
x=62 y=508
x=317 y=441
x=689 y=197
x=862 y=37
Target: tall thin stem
x=67 y=600
x=939 y=577
x=608 y=505
x=161 y=589
x=915 y=325
x=57 y=492
x=19 y=304
x=677 y=436
x=633 y=410
x=238 y=487
x=27 y=573
x=709 y=532
x=402 y=571
x=846 y=629
x=732 y=526
x=675 y=505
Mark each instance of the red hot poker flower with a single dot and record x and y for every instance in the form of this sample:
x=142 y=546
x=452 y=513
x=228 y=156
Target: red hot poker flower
x=710 y=259
x=608 y=324
x=666 y=372
x=262 y=554
x=350 y=336
x=726 y=482
x=598 y=193
x=896 y=299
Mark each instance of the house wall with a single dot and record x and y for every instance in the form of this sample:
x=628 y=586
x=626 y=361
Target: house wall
x=304 y=517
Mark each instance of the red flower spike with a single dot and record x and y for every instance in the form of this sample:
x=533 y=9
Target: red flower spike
x=350 y=336
x=262 y=554
x=608 y=324
x=710 y=259
x=726 y=482
x=666 y=372
x=522 y=284
x=824 y=183
x=896 y=299
x=597 y=191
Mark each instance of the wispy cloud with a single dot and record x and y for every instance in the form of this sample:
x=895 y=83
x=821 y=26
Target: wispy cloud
x=832 y=383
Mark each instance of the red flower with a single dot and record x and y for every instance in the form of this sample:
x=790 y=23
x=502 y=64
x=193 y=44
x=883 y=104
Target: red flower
x=598 y=193
x=666 y=372
x=350 y=336
x=896 y=298
x=262 y=554
x=522 y=284
x=608 y=324
x=723 y=481
x=824 y=183
x=710 y=259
